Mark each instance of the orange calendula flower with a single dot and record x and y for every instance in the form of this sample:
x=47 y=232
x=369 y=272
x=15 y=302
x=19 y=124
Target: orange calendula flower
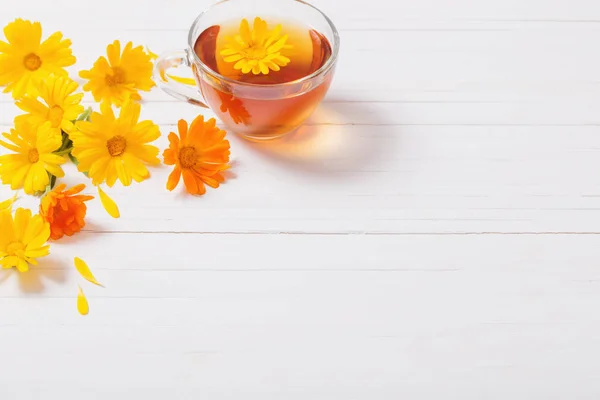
x=24 y=58
x=120 y=77
x=200 y=154
x=257 y=50
x=64 y=210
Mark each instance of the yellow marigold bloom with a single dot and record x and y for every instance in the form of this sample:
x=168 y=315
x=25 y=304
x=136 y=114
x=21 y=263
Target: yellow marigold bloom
x=257 y=50
x=119 y=78
x=109 y=147
x=32 y=160
x=199 y=154
x=24 y=59
x=22 y=239
x=59 y=107
x=64 y=210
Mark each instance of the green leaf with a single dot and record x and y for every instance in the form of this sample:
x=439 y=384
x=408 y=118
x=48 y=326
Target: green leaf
x=86 y=115
x=64 y=152
x=52 y=181
x=76 y=162
x=73 y=159
x=66 y=146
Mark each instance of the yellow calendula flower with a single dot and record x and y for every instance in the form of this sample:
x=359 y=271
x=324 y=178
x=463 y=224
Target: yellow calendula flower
x=59 y=105
x=32 y=160
x=122 y=76
x=22 y=239
x=257 y=50
x=24 y=58
x=110 y=148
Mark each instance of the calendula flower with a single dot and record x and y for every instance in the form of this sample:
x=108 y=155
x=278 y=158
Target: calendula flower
x=64 y=210
x=119 y=78
x=59 y=105
x=32 y=161
x=24 y=59
x=110 y=148
x=200 y=154
x=22 y=239
x=257 y=50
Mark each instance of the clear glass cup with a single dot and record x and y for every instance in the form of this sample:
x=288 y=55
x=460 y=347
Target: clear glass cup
x=254 y=111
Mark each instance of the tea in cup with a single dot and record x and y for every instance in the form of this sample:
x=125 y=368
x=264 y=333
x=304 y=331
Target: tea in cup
x=261 y=66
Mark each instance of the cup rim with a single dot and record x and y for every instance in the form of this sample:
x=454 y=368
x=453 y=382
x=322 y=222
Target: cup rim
x=324 y=68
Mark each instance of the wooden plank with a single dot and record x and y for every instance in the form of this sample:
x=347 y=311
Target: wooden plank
x=354 y=14
x=381 y=179
x=309 y=315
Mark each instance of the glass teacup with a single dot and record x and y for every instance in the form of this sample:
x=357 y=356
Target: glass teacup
x=255 y=111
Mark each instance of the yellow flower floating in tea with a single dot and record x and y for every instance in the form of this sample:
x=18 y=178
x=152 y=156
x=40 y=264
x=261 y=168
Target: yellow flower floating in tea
x=60 y=105
x=24 y=58
x=121 y=76
x=110 y=148
x=33 y=159
x=22 y=239
x=257 y=49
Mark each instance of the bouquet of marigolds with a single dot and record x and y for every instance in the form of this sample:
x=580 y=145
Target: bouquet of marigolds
x=108 y=144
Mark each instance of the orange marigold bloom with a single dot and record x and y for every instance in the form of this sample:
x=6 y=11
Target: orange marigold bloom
x=200 y=154
x=64 y=210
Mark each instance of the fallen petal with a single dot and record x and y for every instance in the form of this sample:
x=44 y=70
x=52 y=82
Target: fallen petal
x=109 y=205
x=84 y=270
x=82 y=303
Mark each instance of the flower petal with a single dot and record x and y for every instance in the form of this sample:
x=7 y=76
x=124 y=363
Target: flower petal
x=82 y=304
x=109 y=205
x=174 y=178
x=85 y=272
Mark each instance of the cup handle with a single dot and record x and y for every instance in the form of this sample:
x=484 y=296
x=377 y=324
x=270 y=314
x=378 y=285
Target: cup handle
x=176 y=89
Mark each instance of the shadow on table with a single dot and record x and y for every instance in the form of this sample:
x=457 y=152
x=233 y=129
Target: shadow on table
x=33 y=280
x=334 y=146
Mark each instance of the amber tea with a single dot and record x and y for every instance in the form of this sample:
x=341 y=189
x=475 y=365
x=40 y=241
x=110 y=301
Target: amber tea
x=263 y=53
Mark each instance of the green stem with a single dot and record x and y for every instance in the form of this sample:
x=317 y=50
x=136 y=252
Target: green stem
x=86 y=114
x=64 y=152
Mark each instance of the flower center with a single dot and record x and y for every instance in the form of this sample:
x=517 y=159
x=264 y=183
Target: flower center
x=15 y=249
x=117 y=77
x=256 y=52
x=116 y=145
x=33 y=156
x=188 y=156
x=32 y=61
x=55 y=116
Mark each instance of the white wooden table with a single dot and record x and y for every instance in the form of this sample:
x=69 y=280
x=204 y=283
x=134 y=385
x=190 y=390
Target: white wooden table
x=434 y=233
